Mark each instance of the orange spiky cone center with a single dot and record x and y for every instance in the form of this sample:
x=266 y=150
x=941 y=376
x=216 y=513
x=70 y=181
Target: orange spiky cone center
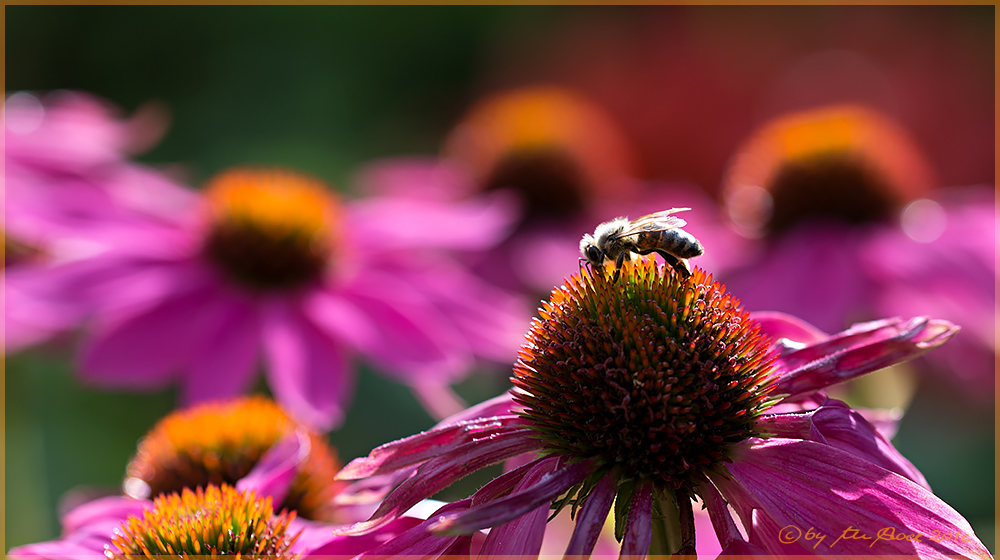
x=654 y=374
x=210 y=522
x=219 y=443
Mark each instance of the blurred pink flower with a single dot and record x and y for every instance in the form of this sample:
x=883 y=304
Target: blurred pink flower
x=688 y=83
x=66 y=182
x=550 y=149
x=268 y=262
x=90 y=530
x=656 y=390
x=849 y=228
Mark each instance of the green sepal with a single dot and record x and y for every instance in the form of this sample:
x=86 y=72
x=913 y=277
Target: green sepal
x=623 y=503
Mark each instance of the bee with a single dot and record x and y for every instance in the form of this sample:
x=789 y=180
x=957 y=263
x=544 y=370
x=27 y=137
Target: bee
x=659 y=233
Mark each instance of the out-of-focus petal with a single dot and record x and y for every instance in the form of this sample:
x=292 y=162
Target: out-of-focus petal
x=224 y=362
x=491 y=320
x=273 y=474
x=307 y=372
x=145 y=348
x=114 y=508
x=389 y=224
x=834 y=423
x=776 y=326
x=65 y=131
x=414 y=177
x=863 y=348
x=810 y=264
x=393 y=324
x=803 y=484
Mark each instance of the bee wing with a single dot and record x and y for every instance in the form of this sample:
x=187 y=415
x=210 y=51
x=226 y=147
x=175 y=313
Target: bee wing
x=662 y=219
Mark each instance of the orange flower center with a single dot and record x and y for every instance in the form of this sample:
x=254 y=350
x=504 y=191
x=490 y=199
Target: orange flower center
x=211 y=522
x=219 y=443
x=844 y=163
x=270 y=229
x=555 y=148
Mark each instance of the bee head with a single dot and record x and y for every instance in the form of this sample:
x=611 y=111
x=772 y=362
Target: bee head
x=590 y=250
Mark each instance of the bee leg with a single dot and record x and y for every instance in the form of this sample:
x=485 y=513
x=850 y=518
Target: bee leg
x=619 y=263
x=673 y=261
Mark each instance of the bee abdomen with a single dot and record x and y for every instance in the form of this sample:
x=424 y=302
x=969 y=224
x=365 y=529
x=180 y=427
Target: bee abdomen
x=677 y=242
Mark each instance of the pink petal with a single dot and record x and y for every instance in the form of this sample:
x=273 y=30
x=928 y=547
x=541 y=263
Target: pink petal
x=307 y=372
x=414 y=177
x=591 y=518
x=394 y=325
x=444 y=438
x=776 y=325
x=492 y=321
x=863 y=348
x=639 y=527
x=438 y=473
x=834 y=423
x=145 y=348
x=225 y=361
x=87 y=529
x=501 y=405
x=523 y=535
x=809 y=264
x=273 y=474
x=798 y=485
x=392 y=224
x=419 y=541
x=113 y=508
x=518 y=503
x=317 y=541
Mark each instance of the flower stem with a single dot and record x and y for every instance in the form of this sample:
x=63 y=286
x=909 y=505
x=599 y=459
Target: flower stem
x=666 y=528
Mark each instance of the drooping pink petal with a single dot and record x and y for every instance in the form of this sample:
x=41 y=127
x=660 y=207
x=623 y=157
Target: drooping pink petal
x=515 y=504
x=114 y=508
x=393 y=224
x=273 y=474
x=639 y=527
x=863 y=348
x=224 y=362
x=436 y=474
x=394 y=325
x=418 y=541
x=144 y=349
x=87 y=529
x=307 y=372
x=728 y=537
x=442 y=439
x=500 y=405
x=524 y=534
x=776 y=326
x=834 y=423
x=590 y=519
x=861 y=508
x=317 y=541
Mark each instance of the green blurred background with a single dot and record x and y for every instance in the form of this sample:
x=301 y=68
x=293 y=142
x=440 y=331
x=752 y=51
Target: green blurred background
x=324 y=89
